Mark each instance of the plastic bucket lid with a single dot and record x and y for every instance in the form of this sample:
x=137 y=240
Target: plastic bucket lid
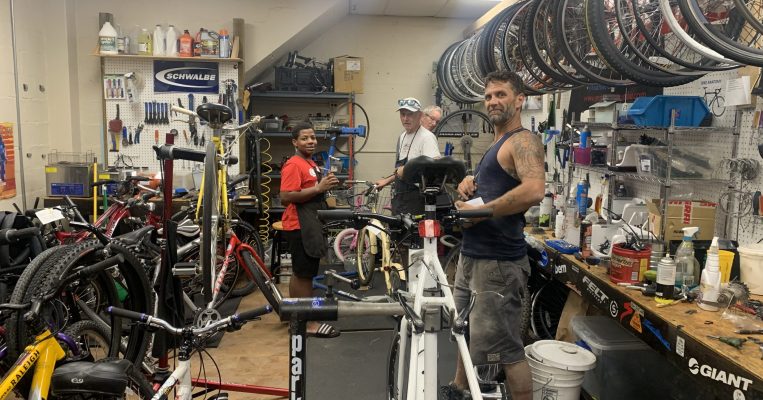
x=563 y=355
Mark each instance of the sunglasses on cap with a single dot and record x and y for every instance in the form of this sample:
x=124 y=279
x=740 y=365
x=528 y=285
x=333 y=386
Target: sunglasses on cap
x=408 y=102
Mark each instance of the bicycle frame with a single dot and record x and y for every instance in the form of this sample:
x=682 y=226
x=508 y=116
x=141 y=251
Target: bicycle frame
x=110 y=219
x=380 y=243
x=42 y=355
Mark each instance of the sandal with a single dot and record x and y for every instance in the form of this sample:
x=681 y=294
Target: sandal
x=325 y=331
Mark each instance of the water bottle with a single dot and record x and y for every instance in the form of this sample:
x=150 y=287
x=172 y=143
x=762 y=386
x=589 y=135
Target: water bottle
x=107 y=38
x=225 y=45
x=544 y=220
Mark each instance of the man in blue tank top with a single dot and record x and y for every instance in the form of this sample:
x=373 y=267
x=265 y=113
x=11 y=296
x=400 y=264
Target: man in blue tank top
x=509 y=179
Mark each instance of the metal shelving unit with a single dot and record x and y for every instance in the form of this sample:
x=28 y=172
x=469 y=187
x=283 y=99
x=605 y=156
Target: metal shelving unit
x=668 y=180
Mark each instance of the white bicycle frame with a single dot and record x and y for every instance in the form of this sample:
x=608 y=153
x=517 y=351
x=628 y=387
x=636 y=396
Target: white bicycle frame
x=422 y=365
x=180 y=376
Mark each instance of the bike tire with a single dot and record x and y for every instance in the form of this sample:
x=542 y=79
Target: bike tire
x=366 y=260
x=88 y=332
x=450 y=263
x=342 y=245
x=209 y=221
x=393 y=363
x=263 y=280
x=547 y=305
x=248 y=234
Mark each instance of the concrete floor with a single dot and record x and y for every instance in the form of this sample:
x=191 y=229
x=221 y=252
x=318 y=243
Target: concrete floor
x=258 y=354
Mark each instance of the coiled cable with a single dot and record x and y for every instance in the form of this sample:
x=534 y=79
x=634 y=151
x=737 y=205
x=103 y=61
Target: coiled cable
x=265 y=179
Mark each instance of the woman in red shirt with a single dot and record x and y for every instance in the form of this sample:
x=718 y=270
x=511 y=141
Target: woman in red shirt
x=302 y=189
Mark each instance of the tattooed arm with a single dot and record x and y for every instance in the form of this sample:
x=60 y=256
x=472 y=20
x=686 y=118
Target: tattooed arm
x=526 y=151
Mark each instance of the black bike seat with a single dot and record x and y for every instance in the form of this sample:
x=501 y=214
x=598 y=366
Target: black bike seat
x=433 y=171
x=213 y=113
x=80 y=377
x=135 y=237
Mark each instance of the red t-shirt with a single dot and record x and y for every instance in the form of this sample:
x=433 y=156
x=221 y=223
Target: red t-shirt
x=296 y=174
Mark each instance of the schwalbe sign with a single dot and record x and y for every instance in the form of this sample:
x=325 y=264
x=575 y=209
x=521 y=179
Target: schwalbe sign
x=186 y=76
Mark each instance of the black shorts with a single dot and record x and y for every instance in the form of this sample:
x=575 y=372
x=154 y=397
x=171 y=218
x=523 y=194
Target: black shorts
x=302 y=265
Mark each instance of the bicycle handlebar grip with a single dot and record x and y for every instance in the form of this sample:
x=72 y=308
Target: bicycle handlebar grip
x=407 y=221
x=170 y=152
x=330 y=215
x=132 y=315
x=476 y=213
x=14 y=235
x=145 y=197
x=253 y=314
x=183 y=111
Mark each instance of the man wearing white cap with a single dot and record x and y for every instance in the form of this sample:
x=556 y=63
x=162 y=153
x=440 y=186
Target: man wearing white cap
x=415 y=141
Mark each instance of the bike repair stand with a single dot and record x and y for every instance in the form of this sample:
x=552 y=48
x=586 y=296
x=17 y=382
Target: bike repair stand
x=335 y=131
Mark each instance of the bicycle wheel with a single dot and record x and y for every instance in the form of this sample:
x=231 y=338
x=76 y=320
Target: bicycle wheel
x=466 y=123
x=450 y=263
x=92 y=338
x=547 y=305
x=351 y=114
x=717 y=106
x=393 y=363
x=345 y=244
x=247 y=234
x=366 y=258
x=209 y=222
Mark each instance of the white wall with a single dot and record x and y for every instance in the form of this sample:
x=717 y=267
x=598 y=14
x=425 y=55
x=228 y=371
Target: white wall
x=398 y=53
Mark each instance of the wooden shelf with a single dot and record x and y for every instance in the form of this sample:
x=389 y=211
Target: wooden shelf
x=137 y=57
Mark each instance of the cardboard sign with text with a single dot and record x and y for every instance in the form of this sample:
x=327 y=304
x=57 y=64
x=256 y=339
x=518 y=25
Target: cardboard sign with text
x=348 y=74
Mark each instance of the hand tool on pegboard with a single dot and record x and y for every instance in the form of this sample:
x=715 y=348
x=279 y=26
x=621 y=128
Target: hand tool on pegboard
x=125 y=142
x=146 y=112
x=115 y=127
x=129 y=137
x=156 y=136
x=192 y=122
x=138 y=130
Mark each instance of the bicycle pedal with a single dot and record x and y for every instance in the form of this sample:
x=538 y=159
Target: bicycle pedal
x=185 y=269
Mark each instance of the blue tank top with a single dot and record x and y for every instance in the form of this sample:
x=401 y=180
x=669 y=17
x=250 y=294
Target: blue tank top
x=500 y=238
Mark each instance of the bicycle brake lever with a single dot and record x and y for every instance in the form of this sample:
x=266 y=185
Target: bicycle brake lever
x=462 y=321
x=410 y=314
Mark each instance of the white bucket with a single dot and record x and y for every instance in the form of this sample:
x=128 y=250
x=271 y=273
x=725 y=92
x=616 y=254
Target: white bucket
x=751 y=267
x=558 y=369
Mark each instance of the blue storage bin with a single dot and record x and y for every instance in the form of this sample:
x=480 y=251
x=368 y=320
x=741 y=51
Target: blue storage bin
x=655 y=111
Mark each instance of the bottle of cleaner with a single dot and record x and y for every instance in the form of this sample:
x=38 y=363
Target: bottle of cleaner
x=666 y=278
x=171 y=42
x=107 y=39
x=225 y=45
x=120 y=40
x=197 y=43
x=687 y=266
x=581 y=197
x=559 y=225
x=145 y=43
x=158 y=41
x=710 y=284
x=186 y=45
x=585 y=137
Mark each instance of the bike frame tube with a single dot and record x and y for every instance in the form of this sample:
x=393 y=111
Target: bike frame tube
x=181 y=376
x=43 y=355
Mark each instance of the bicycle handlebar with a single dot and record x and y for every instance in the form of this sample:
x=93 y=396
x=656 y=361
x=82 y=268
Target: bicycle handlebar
x=324 y=309
x=8 y=236
x=349 y=214
x=170 y=152
x=233 y=320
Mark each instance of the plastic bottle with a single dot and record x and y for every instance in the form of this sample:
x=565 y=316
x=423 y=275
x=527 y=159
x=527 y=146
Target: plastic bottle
x=107 y=39
x=687 y=266
x=225 y=45
x=197 y=43
x=145 y=43
x=546 y=206
x=581 y=197
x=120 y=40
x=186 y=45
x=559 y=225
x=666 y=278
x=158 y=41
x=585 y=137
x=171 y=42
x=710 y=284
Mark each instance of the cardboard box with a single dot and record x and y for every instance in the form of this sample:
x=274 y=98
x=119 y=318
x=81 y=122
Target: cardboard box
x=348 y=74
x=681 y=214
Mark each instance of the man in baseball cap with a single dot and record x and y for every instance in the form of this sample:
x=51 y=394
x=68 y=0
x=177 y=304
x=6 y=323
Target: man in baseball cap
x=415 y=141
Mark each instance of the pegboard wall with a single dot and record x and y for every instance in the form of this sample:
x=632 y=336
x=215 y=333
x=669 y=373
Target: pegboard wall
x=717 y=147
x=142 y=155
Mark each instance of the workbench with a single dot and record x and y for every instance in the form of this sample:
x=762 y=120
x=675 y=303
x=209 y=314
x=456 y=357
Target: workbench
x=678 y=332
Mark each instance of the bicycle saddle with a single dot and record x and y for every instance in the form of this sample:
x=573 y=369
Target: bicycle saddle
x=433 y=171
x=135 y=237
x=216 y=115
x=105 y=378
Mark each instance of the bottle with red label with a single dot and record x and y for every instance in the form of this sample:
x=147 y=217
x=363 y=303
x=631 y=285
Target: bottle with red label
x=186 y=45
x=197 y=44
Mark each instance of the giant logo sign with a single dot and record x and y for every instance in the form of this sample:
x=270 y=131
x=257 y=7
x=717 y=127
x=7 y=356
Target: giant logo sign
x=186 y=76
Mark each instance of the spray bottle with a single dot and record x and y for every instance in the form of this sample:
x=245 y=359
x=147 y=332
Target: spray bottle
x=687 y=266
x=581 y=197
x=710 y=284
